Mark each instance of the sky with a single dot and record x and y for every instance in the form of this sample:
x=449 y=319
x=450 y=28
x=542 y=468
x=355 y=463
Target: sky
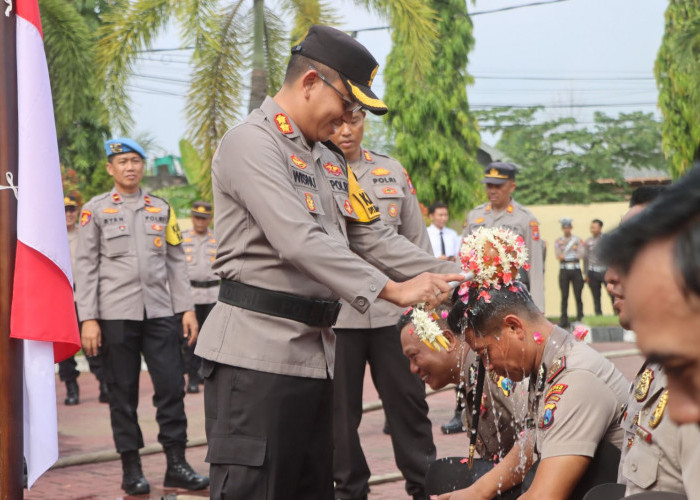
x=574 y=57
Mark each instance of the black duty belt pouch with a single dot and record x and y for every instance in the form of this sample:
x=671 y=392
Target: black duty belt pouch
x=312 y=312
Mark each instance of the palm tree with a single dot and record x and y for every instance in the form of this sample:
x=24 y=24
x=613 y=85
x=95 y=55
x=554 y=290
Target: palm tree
x=228 y=41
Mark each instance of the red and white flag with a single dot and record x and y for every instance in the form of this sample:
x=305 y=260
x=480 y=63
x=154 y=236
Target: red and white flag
x=43 y=313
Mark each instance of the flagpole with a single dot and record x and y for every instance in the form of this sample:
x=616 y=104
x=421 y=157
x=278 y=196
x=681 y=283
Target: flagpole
x=11 y=384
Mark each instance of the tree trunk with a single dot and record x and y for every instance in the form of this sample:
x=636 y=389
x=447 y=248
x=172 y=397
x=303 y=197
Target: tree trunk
x=258 y=78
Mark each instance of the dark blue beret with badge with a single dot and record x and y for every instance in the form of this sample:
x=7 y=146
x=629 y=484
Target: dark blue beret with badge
x=121 y=145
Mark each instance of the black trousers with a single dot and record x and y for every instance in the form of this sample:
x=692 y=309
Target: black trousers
x=269 y=435
x=68 y=371
x=123 y=342
x=574 y=277
x=192 y=361
x=403 y=396
x=595 y=281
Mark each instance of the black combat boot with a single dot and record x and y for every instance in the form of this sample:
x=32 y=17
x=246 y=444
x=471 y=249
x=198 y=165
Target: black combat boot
x=104 y=393
x=193 y=385
x=72 y=393
x=133 y=482
x=455 y=425
x=179 y=474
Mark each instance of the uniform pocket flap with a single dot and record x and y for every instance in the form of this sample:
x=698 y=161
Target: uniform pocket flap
x=114 y=231
x=237 y=449
x=641 y=465
x=388 y=192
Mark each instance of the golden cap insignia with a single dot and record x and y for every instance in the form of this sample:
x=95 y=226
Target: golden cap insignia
x=116 y=147
x=642 y=389
x=658 y=413
x=495 y=174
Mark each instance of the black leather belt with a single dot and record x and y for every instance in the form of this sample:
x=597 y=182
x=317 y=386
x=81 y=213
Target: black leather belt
x=313 y=312
x=205 y=284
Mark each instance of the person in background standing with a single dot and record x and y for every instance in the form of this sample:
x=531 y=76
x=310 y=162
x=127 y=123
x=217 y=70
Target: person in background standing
x=592 y=265
x=569 y=250
x=444 y=241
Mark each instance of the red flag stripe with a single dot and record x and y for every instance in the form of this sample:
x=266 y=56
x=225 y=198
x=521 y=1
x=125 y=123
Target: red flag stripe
x=29 y=10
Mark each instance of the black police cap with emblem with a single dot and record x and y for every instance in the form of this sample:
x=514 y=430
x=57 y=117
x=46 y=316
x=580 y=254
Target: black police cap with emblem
x=356 y=66
x=201 y=209
x=498 y=173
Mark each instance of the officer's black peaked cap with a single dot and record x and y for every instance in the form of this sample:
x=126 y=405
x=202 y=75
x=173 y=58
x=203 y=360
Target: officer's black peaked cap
x=355 y=64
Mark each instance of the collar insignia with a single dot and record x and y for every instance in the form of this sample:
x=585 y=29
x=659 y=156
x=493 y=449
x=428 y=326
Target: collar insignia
x=659 y=410
x=642 y=389
x=556 y=368
x=283 y=124
x=116 y=198
x=368 y=157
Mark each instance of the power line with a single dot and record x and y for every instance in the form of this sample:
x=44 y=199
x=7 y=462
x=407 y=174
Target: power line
x=552 y=106
x=565 y=78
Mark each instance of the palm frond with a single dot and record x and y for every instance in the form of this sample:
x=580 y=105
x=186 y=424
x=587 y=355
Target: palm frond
x=307 y=13
x=70 y=56
x=215 y=93
x=194 y=17
x=277 y=49
x=126 y=30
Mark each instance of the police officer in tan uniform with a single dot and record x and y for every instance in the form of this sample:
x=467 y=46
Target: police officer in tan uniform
x=575 y=394
x=569 y=250
x=503 y=211
x=200 y=252
x=131 y=282
x=593 y=267
x=293 y=228
x=371 y=337
x=657 y=454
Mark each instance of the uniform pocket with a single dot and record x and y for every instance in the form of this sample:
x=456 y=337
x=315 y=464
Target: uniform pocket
x=311 y=200
x=641 y=465
x=116 y=240
x=389 y=199
x=155 y=236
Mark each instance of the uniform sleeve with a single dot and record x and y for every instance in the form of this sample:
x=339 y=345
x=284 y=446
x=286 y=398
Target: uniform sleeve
x=581 y=249
x=558 y=250
x=412 y=223
x=87 y=259
x=176 y=266
x=250 y=167
x=582 y=408
x=536 y=261
x=689 y=444
x=586 y=258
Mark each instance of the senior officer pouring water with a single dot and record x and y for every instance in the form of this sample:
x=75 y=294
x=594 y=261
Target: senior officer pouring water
x=295 y=233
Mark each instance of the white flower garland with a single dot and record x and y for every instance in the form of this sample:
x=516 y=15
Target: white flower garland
x=427 y=328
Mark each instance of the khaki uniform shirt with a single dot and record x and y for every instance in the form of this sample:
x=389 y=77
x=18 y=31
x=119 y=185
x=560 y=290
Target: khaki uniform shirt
x=389 y=185
x=521 y=221
x=200 y=253
x=282 y=208
x=73 y=246
x=503 y=410
x=591 y=260
x=575 y=399
x=657 y=454
x=572 y=248
x=130 y=260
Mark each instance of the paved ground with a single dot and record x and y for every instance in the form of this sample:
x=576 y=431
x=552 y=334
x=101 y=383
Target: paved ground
x=85 y=429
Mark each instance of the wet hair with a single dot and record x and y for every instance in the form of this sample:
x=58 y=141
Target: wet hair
x=674 y=213
x=435 y=206
x=645 y=194
x=481 y=314
x=598 y=221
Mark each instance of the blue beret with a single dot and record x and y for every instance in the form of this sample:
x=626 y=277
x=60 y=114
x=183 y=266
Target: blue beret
x=123 y=145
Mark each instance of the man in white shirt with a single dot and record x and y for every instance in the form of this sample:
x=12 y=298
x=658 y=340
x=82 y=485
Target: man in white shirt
x=445 y=241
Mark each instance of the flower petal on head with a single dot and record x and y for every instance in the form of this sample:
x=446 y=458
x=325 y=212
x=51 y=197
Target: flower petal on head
x=538 y=337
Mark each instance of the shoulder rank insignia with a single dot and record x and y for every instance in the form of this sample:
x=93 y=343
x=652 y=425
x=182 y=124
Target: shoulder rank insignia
x=348 y=207
x=146 y=199
x=368 y=157
x=509 y=209
x=283 y=124
x=642 y=389
x=153 y=210
x=380 y=171
x=110 y=210
x=557 y=367
x=408 y=181
x=116 y=198
x=658 y=413
x=298 y=162
x=479 y=220
x=85 y=217
x=310 y=203
x=389 y=190
x=333 y=169
x=535 y=230
x=393 y=210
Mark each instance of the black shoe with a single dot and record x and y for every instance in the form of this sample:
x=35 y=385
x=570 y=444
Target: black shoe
x=133 y=482
x=455 y=425
x=386 y=430
x=564 y=323
x=104 y=393
x=179 y=473
x=72 y=393
x=192 y=387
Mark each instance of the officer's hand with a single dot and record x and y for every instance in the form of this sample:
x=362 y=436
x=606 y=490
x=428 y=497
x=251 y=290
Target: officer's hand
x=91 y=337
x=465 y=494
x=190 y=327
x=433 y=289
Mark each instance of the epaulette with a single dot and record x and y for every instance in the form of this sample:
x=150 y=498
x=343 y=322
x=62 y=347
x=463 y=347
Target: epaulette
x=557 y=367
x=375 y=153
x=153 y=196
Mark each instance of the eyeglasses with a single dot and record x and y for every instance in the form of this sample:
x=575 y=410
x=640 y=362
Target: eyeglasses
x=350 y=105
